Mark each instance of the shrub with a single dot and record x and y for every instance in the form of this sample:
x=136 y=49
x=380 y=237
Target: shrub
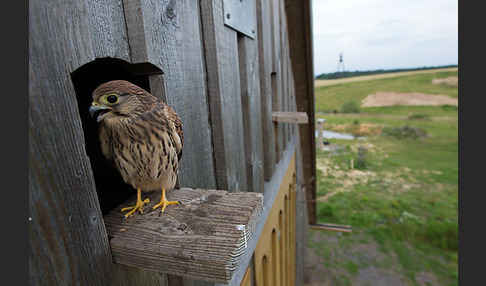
x=443 y=234
x=448 y=107
x=350 y=107
x=361 y=162
x=419 y=116
x=404 y=132
x=326 y=211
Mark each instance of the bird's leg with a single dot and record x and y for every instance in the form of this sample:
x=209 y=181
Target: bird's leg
x=164 y=202
x=138 y=206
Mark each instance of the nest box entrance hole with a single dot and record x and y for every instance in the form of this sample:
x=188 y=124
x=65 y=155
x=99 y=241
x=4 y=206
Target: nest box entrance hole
x=110 y=187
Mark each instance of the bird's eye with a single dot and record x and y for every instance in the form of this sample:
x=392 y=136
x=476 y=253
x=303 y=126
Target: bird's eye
x=112 y=98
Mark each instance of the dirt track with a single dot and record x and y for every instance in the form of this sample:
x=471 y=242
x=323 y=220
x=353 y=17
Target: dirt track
x=413 y=98
x=326 y=82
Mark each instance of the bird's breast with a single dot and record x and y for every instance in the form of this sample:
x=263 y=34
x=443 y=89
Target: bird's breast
x=146 y=159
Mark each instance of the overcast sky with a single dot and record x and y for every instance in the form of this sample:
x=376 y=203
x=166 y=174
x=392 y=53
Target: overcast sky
x=384 y=34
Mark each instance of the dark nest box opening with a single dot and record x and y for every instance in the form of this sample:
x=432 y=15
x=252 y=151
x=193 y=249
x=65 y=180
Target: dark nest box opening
x=111 y=189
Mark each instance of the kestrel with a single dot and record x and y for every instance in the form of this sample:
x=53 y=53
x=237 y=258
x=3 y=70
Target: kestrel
x=142 y=136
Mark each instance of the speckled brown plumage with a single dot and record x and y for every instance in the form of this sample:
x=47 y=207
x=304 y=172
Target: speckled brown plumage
x=140 y=134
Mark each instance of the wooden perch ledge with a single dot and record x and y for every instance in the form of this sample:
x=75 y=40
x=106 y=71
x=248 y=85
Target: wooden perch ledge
x=290 y=117
x=203 y=238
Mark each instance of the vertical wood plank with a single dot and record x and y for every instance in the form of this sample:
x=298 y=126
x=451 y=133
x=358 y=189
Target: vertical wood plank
x=247 y=278
x=288 y=68
x=289 y=95
x=221 y=51
x=265 y=65
x=283 y=68
x=299 y=23
x=275 y=256
x=281 y=246
x=292 y=229
x=107 y=27
x=276 y=75
x=128 y=276
x=301 y=228
x=168 y=34
x=68 y=243
x=275 y=78
x=252 y=120
x=289 y=255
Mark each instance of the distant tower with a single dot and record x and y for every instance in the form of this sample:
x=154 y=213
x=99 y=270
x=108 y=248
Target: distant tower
x=340 y=67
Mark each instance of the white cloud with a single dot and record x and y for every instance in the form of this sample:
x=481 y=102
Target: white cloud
x=384 y=34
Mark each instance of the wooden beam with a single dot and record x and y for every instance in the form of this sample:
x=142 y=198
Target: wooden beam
x=299 y=23
x=265 y=58
x=290 y=117
x=203 y=238
x=331 y=227
x=251 y=111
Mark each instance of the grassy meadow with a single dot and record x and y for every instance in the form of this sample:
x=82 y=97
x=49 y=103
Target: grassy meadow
x=397 y=188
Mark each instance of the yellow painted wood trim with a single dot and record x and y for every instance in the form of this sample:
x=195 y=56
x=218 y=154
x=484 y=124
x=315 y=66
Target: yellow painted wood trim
x=274 y=256
x=247 y=278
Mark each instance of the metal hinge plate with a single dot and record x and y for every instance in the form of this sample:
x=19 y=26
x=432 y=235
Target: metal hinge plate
x=240 y=15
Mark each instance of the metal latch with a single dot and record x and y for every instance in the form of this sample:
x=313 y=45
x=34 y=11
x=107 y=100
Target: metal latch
x=240 y=15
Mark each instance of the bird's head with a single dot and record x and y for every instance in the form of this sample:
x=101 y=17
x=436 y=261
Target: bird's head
x=119 y=99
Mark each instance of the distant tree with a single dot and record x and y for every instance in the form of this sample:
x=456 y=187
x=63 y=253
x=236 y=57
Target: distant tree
x=336 y=75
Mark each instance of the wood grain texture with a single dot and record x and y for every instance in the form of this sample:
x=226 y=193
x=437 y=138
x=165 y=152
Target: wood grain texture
x=284 y=47
x=250 y=102
x=299 y=23
x=135 y=25
x=107 y=28
x=290 y=100
x=279 y=32
x=203 y=238
x=168 y=34
x=302 y=226
x=301 y=213
x=129 y=276
x=67 y=235
x=290 y=117
x=277 y=92
x=331 y=227
x=300 y=48
x=265 y=69
x=68 y=243
x=221 y=51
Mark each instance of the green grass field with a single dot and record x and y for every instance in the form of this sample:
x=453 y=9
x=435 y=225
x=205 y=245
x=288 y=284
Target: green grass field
x=403 y=202
x=330 y=98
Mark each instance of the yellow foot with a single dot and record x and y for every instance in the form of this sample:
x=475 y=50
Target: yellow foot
x=164 y=203
x=137 y=207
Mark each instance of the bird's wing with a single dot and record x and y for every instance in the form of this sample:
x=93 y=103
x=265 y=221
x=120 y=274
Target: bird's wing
x=163 y=117
x=105 y=139
x=172 y=115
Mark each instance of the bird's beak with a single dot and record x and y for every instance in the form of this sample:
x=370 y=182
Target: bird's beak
x=96 y=109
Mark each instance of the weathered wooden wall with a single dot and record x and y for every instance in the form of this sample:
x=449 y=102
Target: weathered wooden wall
x=223 y=84
x=299 y=15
